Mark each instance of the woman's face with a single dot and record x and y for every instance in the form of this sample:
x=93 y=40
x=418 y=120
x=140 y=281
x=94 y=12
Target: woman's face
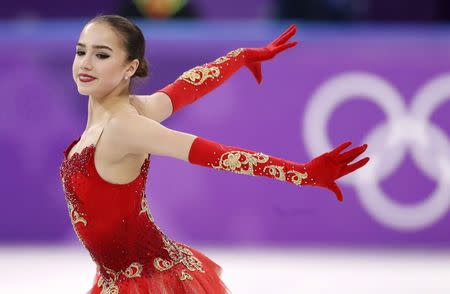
x=99 y=66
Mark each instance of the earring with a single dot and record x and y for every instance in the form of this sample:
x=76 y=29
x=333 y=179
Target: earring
x=126 y=77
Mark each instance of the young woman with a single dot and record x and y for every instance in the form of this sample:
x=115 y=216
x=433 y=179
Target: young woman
x=104 y=171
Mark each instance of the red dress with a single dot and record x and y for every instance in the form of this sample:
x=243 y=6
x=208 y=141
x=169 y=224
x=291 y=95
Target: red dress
x=132 y=254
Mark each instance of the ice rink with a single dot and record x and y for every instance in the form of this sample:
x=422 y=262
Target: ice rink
x=70 y=270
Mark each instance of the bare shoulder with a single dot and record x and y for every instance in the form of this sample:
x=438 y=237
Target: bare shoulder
x=129 y=123
x=136 y=134
x=133 y=133
x=156 y=106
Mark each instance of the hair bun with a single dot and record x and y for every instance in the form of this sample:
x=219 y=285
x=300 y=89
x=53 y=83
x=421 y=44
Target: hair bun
x=142 y=70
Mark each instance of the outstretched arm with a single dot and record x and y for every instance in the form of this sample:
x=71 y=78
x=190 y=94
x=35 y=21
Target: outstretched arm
x=137 y=134
x=200 y=80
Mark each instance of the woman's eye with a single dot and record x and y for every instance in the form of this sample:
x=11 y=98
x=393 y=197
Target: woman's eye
x=79 y=53
x=102 y=56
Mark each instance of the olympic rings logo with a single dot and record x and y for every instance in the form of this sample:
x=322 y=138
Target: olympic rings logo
x=403 y=131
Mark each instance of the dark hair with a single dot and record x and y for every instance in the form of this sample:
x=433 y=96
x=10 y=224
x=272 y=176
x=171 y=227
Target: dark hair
x=132 y=37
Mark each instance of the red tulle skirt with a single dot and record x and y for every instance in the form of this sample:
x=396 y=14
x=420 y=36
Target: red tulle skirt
x=168 y=281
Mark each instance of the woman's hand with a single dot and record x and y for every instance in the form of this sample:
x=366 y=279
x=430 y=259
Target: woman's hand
x=200 y=80
x=325 y=169
x=254 y=56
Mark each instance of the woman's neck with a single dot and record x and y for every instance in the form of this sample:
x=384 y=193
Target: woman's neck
x=101 y=109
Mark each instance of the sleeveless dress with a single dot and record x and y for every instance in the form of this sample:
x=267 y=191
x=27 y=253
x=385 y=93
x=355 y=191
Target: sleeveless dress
x=114 y=224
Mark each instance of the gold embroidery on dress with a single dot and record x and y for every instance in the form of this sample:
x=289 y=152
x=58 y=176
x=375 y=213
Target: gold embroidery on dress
x=178 y=254
x=230 y=161
x=109 y=285
x=75 y=216
x=145 y=208
x=198 y=75
x=185 y=276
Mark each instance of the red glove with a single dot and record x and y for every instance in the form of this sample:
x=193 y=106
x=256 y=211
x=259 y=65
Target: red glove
x=200 y=80
x=322 y=171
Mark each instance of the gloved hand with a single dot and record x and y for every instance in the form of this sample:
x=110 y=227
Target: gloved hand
x=200 y=80
x=321 y=171
x=325 y=169
x=254 y=56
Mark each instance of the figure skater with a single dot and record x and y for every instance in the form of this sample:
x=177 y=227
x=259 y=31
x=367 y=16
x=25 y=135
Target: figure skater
x=104 y=180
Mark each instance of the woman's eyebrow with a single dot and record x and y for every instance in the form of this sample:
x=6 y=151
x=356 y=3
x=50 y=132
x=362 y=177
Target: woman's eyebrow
x=95 y=46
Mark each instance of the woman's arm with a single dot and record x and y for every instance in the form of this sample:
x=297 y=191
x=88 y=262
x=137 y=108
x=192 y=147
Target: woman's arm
x=157 y=106
x=200 y=80
x=138 y=135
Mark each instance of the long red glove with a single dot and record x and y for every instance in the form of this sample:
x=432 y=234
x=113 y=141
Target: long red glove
x=321 y=171
x=200 y=80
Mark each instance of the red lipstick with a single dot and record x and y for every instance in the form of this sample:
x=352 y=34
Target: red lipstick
x=85 y=78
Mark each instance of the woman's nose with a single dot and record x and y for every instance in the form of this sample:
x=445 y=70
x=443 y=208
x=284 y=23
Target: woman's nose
x=85 y=64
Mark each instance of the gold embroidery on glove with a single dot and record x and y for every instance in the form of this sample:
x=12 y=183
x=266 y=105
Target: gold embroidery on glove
x=297 y=177
x=229 y=55
x=235 y=52
x=276 y=171
x=178 y=254
x=220 y=60
x=198 y=75
x=231 y=161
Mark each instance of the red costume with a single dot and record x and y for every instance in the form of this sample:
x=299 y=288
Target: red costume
x=132 y=254
x=114 y=223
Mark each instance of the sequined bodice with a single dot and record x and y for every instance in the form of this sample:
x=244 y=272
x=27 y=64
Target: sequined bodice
x=114 y=223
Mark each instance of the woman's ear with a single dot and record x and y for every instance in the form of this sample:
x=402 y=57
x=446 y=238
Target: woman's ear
x=132 y=67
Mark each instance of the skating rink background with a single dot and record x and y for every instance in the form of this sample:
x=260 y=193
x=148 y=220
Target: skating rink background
x=382 y=83
x=328 y=271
